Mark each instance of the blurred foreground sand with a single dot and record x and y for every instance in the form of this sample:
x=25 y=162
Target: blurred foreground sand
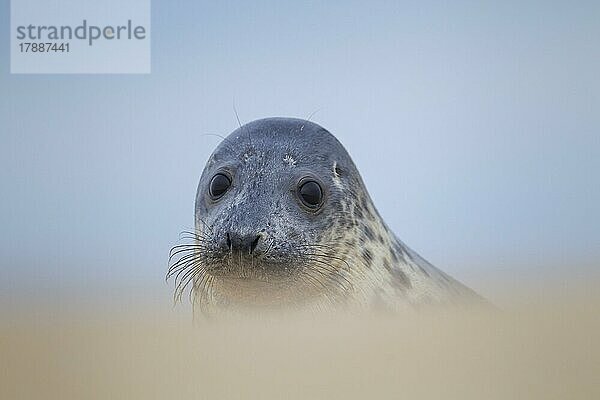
x=546 y=350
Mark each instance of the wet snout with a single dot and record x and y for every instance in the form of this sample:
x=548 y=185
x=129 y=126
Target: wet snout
x=248 y=242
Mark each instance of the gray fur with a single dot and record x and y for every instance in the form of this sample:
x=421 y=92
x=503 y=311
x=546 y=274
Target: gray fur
x=341 y=254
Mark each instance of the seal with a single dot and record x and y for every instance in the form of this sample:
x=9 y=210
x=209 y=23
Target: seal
x=283 y=218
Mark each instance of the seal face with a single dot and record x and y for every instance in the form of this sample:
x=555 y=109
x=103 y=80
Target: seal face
x=282 y=217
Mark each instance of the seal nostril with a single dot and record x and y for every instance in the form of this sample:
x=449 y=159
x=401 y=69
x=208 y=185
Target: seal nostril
x=228 y=241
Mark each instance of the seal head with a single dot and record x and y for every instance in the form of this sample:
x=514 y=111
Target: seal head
x=282 y=217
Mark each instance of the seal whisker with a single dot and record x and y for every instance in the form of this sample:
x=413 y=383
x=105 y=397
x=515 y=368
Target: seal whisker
x=181 y=261
x=317 y=284
x=203 y=277
x=190 y=264
x=331 y=257
x=189 y=235
x=184 y=282
x=211 y=284
x=223 y=142
x=237 y=117
x=207 y=226
x=197 y=244
x=176 y=270
x=333 y=272
x=312 y=114
x=179 y=281
x=194 y=235
x=307 y=272
x=185 y=249
x=320 y=271
x=181 y=286
x=213 y=134
x=182 y=270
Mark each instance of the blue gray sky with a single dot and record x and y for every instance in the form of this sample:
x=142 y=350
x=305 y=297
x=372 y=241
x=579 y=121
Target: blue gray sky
x=476 y=126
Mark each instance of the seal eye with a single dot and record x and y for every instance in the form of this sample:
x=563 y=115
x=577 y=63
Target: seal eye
x=219 y=185
x=311 y=194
